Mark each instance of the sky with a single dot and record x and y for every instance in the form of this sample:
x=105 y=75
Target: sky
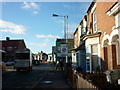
x=33 y=22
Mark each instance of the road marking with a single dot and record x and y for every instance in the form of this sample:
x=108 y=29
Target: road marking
x=43 y=75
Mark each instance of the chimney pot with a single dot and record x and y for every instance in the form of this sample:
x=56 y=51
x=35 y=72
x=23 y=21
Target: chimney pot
x=7 y=38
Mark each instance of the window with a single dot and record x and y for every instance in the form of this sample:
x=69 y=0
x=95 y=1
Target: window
x=22 y=56
x=82 y=30
x=118 y=20
x=94 y=22
x=88 y=64
x=15 y=48
x=9 y=48
x=94 y=57
x=94 y=49
x=3 y=48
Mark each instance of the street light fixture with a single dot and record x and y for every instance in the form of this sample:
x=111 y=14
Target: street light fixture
x=65 y=25
x=65 y=31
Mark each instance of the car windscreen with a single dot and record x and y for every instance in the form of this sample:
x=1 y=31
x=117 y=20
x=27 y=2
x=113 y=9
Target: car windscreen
x=22 y=55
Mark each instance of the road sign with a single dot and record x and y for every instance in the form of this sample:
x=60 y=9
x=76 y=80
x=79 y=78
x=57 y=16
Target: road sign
x=64 y=48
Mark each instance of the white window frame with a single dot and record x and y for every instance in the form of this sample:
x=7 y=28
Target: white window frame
x=117 y=52
x=94 y=21
x=82 y=29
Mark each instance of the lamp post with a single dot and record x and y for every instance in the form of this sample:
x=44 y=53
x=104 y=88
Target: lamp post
x=65 y=32
x=65 y=25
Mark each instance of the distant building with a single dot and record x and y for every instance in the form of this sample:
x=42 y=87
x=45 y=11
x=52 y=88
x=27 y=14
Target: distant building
x=40 y=56
x=79 y=53
x=63 y=49
x=9 y=46
x=99 y=26
x=53 y=53
x=49 y=57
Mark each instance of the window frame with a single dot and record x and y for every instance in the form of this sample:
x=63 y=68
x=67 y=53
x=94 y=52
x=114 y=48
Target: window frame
x=94 y=19
x=10 y=48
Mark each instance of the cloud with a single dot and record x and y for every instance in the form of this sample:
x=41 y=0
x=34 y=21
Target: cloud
x=46 y=36
x=10 y=27
x=31 y=6
x=35 y=12
x=39 y=44
x=43 y=43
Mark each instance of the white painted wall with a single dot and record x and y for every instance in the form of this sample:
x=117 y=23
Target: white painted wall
x=74 y=59
x=88 y=43
x=49 y=57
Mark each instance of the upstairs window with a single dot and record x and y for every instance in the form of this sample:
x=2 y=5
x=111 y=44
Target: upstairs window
x=15 y=48
x=3 y=48
x=94 y=22
x=82 y=30
x=9 y=48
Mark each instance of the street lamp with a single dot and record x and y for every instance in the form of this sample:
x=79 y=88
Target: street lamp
x=65 y=31
x=65 y=25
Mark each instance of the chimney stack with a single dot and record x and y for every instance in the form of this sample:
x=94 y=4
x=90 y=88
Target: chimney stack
x=7 y=38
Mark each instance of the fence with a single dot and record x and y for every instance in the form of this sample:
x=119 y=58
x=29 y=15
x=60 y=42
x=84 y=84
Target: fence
x=77 y=81
x=95 y=81
x=82 y=83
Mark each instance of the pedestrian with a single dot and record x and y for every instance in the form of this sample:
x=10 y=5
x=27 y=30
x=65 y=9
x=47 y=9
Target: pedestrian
x=61 y=64
x=57 y=67
x=54 y=64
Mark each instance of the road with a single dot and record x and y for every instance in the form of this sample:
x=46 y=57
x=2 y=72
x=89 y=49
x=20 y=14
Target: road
x=12 y=79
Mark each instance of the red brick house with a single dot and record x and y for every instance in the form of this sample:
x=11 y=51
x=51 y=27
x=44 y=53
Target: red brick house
x=99 y=25
x=114 y=37
x=9 y=46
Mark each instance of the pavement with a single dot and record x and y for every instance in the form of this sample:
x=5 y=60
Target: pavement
x=53 y=80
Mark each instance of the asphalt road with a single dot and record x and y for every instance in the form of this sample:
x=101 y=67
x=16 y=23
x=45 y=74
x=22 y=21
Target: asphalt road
x=13 y=79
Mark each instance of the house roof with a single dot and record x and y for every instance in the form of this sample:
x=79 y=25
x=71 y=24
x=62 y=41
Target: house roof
x=63 y=39
x=85 y=17
x=75 y=31
x=81 y=47
x=13 y=41
x=91 y=5
x=112 y=7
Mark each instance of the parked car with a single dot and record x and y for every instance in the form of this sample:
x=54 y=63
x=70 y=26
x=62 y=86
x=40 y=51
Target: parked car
x=9 y=63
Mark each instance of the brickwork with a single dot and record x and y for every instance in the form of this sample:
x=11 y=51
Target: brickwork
x=77 y=38
x=105 y=51
x=105 y=24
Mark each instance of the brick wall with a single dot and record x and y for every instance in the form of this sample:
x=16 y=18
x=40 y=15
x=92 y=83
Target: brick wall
x=104 y=22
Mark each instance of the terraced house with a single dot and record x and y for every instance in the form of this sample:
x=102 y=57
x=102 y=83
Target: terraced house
x=100 y=36
x=79 y=44
x=99 y=26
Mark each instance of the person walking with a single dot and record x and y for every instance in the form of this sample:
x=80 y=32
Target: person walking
x=61 y=64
